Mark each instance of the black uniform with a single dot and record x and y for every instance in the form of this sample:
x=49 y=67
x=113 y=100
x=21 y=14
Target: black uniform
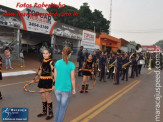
x=80 y=60
x=88 y=65
x=46 y=80
x=140 y=65
x=95 y=66
x=125 y=70
x=119 y=69
x=102 y=67
x=112 y=68
x=134 y=68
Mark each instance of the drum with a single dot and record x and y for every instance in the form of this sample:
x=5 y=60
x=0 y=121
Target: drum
x=142 y=62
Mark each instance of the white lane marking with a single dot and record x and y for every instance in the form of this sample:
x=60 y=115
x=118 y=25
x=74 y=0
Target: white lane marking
x=18 y=73
x=12 y=84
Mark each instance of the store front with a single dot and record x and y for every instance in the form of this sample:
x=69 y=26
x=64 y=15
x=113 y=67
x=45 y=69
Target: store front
x=66 y=35
x=107 y=42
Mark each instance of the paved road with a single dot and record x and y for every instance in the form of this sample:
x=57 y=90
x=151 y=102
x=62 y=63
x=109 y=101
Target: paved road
x=131 y=101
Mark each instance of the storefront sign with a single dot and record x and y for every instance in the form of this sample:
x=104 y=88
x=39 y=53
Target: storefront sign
x=68 y=31
x=8 y=19
x=35 y=19
x=88 y=40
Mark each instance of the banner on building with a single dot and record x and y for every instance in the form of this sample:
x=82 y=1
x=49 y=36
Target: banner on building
x=88 y=40
x=67 y=31
x=8 y=17
x=34 y=20
x=152 y=48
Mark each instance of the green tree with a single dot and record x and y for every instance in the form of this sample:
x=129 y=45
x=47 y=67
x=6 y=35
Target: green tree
x=100 y=23
x=86 y=19
x=66 y=19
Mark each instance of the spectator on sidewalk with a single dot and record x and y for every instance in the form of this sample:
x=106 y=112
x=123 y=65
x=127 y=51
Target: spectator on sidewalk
x=21 y=58
x=7 y=56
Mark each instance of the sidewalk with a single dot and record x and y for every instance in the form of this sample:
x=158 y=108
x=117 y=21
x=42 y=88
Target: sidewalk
x=31 y=63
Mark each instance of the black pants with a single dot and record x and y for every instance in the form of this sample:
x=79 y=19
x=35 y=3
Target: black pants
x=111 y=72
x=134 y=70
x=80 y=66
x=139 y=68
x=117 y=76
x=125 y=73
x=102 y=76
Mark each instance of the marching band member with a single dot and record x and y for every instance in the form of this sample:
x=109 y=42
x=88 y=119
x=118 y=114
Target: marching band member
x=118 y=67
x=95 y=61
x=46 y=75
x=102 y=66
x=111 y=69
x=88 y=65
x=86 y=54
x=134 y=66
x=140 y=59
x=126 y=68
x=80 y=59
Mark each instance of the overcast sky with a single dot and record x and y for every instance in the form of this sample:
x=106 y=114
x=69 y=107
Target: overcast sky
x=133 y=20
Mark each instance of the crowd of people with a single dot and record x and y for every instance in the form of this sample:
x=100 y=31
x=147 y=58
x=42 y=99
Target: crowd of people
x=113 y=65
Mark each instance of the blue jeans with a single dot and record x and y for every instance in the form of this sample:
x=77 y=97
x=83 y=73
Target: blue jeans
x=62 y=103
x=7 y=62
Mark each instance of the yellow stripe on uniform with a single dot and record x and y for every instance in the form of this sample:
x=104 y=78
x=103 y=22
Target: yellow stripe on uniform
x=45 y=77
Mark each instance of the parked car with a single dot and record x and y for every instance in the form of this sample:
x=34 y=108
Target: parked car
x=74 y=36
x=58 y=32
x=3 y=20
x=79 y=36
x=67 y=33
x=14 y=22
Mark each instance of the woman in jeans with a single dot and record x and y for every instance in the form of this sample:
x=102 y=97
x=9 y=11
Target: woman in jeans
x=64 y=83
x=7 y=56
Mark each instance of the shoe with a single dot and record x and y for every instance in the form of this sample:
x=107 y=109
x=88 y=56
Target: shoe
x=49 y=117
x=41 y=115
x=21 y=66
x=44 y=111
x=86 y=88
x=11 y=68
x=81 y=91
x=1 y=98
x=122 y=79
x=83 y=88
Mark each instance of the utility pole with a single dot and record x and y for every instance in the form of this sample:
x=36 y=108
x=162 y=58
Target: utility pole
x=110 y=16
